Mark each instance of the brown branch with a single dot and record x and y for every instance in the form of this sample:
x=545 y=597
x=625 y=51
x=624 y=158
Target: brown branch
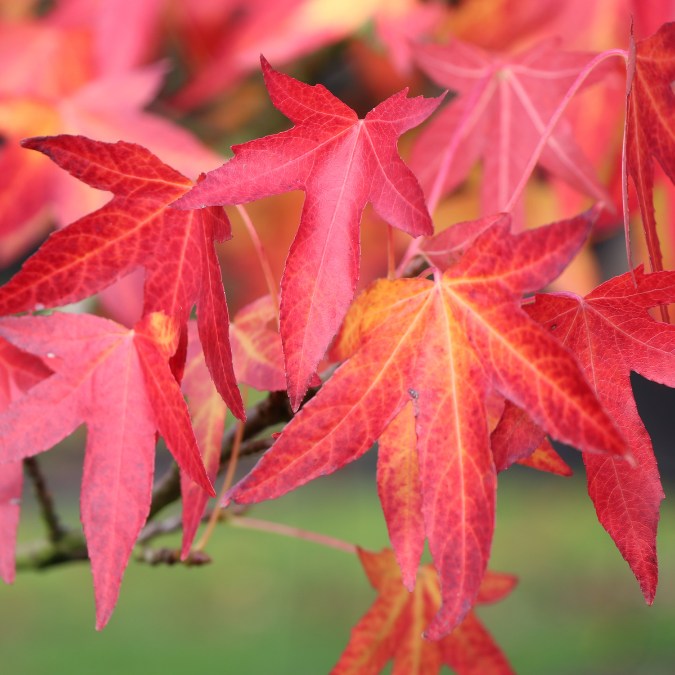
x=55 y=530
x=171 y=556
x=66 y=545
x=272 y=410
x=41 y=555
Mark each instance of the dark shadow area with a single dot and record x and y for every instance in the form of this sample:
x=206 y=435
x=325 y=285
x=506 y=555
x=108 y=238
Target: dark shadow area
x=656 y=404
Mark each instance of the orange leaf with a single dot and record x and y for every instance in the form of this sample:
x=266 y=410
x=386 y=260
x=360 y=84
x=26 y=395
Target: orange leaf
x=443 y=345
x=545 y=458
x=392 y=627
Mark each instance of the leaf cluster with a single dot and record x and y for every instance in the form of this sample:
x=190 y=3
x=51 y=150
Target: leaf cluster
x=448 y=345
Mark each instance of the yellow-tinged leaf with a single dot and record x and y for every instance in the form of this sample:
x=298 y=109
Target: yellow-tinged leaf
x=392 y=627
x=434 y=350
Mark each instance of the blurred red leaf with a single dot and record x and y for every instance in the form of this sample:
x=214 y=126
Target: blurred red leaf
x=256 y=346
x=222 y=42
x=393 y=626
x=61 y=73
x=503 y=106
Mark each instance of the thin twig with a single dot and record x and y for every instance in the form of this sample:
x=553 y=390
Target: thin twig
x=391 y=254
x=55 y=530
x=262 y=258
x=70 y=545
x=289 y=531
x=41 y=555
x=172 y=524
x=229 y=477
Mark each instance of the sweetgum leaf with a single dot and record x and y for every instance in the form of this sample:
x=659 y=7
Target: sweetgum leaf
x=444 y=345
x=118 y=382
x=503 y=106
x=611 y=333
x=341 y=162
x=135 y=229
x=392 y=627
x=650 y=124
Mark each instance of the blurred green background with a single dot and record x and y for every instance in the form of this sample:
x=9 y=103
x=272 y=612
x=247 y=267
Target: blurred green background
x=269 y=604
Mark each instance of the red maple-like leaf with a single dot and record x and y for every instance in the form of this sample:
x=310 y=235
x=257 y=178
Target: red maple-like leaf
x=135 y=229
x=341 y=162
x=392 y=628
x=440 y=346
x=515 y=437
x=503 y=106
x=19 y=372
x=611 y=333
x=118 y=382
x=650 y=124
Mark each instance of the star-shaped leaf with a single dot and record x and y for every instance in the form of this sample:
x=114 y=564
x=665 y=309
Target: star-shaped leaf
x=611 y=334
x=393 y=626
x=341 y=162
x=442 y=345
x=503 y=106
x=135 y=229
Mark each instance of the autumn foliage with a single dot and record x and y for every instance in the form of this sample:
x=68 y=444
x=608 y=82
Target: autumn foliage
x=457 y=324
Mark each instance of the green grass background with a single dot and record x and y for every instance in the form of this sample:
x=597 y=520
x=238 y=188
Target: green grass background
x=274 y=605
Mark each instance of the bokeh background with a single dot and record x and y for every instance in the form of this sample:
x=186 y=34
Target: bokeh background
x=269 y=604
